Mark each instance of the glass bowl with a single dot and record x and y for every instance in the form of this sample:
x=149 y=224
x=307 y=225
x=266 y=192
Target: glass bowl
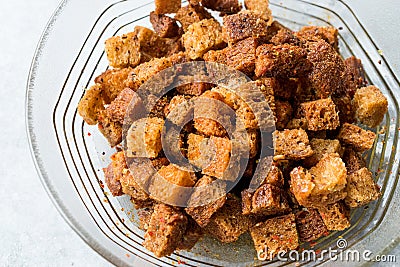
x=69 y=155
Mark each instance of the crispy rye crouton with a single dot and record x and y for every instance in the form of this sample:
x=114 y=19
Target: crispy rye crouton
x=91 y=105
x=310 y=225
x=165 y=231
x=192 y=235
x=324 y=184
x=112 y=82
x=191 y=14
x=353 y=160
x=283 y=114
x=281 y=60
x=361 y=188
x=285 y=37
x=201 y=37
x=358 y=138
x=320 y=148
x=164 y=26
x=355 y=75
x=335 y=216
x=165 y=7
x=292 y=144
x=242 y=55
x=111 y=130
x=225 y=6
x=127 y=106
x=320 y=114
x=261 y=7
x=275 y=235
x=328 y=34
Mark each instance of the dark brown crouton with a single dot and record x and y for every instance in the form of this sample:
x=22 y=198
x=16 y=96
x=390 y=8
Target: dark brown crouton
x=275 y=235
x=157 y=106
x=164 y=26
x=283 y=114
x=310 y=225
x=190 y=14
x=225 y=6
x=360 y=139
x=353 y=160
x=324 y=184
x=261 y=7
x=197 y=209
x=217 y=56
x=228 y=223
x=144 y=216
x=91 y=106
x=243 y=25
x=168 y=182
x=112 y=181
x=370 y=106
x=344 y=107
x=328 y=34
x=165 y=7
x=355 y=75
x=285 y=37
x=281 y=60
x=320 y=148
x=111 y=130
x=275 y=176
x=202 y=36
x=166 y=230
x=327 y=75
x=292 y=144
x=127 y=106
x=361 y=188
x=213 y=109
x=112 y=82
x=335 y=216
x=192 y=235
x=242 y=55
x=266 y=200
x=320 y=114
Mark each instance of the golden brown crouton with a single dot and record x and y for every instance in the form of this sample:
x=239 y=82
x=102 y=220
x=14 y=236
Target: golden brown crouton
x=165 y=7
x=217 y=56
x=335 y=216
x=361 y=188
x=225 y=6
x=243 y=25
x=370 y=105
x=292 y=144
x=201 y=37
x=190 y=14
x=112 y=82
x=275 y=235
x=360 y=139
x=144 y=138
x=260 y=7
x=324 y=184
x=164 y=26
x=320 y=114
x=123 y=51
x=91 y=105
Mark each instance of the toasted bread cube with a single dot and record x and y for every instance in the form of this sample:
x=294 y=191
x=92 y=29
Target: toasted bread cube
x=292 y=144
x=168 y=185
x=210 y=115
x=324 y=184
x=164 y=26
x=281 y=60
x=123 y=51
x=114 y=172
x=190 y=14
x=193 y=233
x=310 y=225
x=111 y=130
x=261 y=7
x=201 y=37
x=144 y=138
x=225 y=6
x=112 y=82
x=243 y=25
x=275 y=235
x=335 y=216
x=283 y=114
x=358 y=138
x=361 y=188
x=327 y=74
x=355 y=75
x=217 y=56
x=353 y=160
x=194 y=89
x=165 y=231
x=242 y=55
x=199 y=209
x=370 y=106
x=285 y=37
x=165 y=7
x=320 y=148
x=320 y=114
x=344 y=106
x=128 y=106
x=91 y=105
x=228 y=223
x=295 y=123
x=328 y=34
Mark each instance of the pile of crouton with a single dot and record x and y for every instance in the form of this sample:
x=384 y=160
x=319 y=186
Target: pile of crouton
x=324 y=115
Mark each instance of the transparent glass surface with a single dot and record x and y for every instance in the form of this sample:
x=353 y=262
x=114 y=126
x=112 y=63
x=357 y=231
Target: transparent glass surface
x=69 y=155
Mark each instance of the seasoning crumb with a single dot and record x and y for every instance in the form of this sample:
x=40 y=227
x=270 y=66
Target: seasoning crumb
x=379 y=62
x=127 y=255
x=340 y=28
x=380 y=52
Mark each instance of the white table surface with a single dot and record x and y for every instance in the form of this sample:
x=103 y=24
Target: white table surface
x=32 y=233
